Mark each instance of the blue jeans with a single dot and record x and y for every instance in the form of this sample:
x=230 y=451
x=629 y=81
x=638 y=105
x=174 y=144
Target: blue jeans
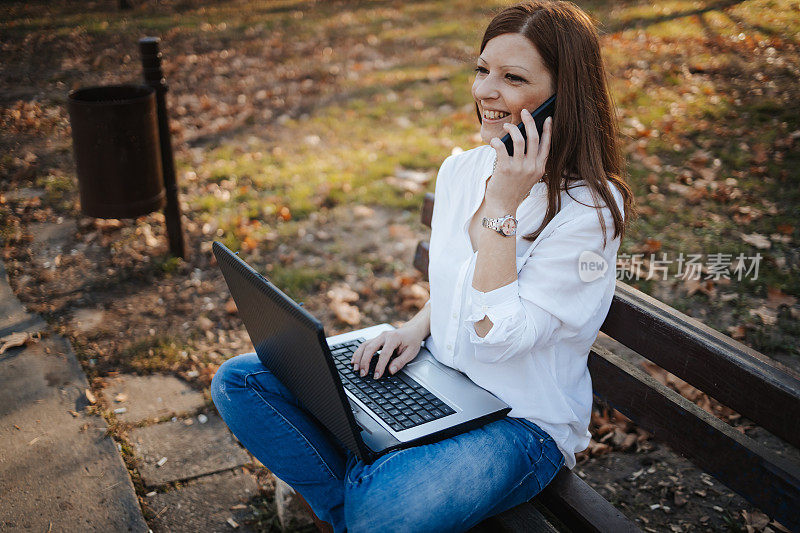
x=450 y=485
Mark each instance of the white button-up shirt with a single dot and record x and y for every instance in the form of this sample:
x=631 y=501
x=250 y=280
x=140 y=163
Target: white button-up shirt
x=534 y=356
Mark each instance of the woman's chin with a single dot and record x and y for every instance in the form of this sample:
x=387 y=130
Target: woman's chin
x=488 y=133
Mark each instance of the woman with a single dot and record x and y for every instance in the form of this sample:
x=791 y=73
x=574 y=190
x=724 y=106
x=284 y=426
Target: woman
x=513 y=312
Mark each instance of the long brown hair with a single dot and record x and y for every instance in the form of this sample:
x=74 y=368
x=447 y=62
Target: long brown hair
x=584 y=135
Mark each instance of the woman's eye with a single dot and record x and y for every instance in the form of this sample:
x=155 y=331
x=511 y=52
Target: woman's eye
x=514 y=77
x=481 y=70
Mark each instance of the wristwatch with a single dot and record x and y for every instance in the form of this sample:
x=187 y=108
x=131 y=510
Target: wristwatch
x=505 y=226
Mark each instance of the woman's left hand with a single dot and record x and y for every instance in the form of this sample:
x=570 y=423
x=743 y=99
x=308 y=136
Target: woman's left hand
x=515 y=175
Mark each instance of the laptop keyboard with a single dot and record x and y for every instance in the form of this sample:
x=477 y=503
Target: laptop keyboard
x=398 y=400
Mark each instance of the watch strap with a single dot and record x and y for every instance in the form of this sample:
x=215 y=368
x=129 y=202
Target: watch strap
x=497 y=223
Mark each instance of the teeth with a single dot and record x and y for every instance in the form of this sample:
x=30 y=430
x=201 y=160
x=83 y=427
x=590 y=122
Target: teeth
x=492 y=115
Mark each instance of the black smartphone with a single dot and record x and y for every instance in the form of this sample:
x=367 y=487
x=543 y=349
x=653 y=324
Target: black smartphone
x=539 y=116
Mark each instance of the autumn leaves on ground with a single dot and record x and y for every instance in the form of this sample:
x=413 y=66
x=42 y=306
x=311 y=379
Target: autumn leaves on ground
x=307 y=132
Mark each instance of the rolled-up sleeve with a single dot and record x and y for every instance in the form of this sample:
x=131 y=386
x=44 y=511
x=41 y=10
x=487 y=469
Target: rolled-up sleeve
x=549 y=298
x=516 y=324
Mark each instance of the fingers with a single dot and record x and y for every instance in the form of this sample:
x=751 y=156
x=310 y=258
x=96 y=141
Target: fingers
x=517 y=139
x=544 y=147
x=500 y=148
x=363 y=354
x=392 y=343
x=532 y=132
x=387 y=343
x=405 y=357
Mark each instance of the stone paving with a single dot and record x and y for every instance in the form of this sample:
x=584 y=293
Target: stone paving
x=137 y=399
x=174 y=451
x=61 y=471
x=213 y=503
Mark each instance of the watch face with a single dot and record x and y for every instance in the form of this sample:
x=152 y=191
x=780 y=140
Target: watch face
x=509 y=227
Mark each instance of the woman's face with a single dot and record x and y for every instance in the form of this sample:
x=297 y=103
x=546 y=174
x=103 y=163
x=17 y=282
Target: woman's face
x=510 y=76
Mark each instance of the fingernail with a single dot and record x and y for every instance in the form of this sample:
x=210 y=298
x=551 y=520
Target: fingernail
x=376 y=375
x=363 y=373
x=393 y=369
x=355 y=366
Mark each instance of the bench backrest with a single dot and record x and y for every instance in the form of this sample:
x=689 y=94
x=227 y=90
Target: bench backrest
x=737 y=376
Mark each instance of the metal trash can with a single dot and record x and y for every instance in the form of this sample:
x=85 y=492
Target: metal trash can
x=117 y=152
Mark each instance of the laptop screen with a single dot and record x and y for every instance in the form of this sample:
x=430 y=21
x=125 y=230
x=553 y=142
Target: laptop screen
x=291 y=344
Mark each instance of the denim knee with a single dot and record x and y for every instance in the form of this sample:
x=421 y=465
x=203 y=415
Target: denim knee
x=229 y=374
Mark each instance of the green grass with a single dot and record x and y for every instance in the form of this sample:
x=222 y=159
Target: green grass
x=152 y=354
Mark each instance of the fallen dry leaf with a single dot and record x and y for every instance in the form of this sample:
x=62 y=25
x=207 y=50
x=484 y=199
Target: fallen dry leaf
x=757 y=519
x=90 y=396
x=694 y=285
x=629 y=442
x=757 y=240
x=402 y=280
x=362 y=211
x=737 y=332
x=598 y=448
x=768 y=316
x=205 y=323
x=651 y=246
x=13 y=340
x=776 y=298
x=342 y=293
x=345 y=312
x=413 y=296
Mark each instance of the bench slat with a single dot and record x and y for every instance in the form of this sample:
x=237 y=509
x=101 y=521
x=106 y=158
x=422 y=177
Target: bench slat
x=421 y=258
x=708 y=360
x=767 y=480
x=427 y=209
x=581 y=508
x=523 y=517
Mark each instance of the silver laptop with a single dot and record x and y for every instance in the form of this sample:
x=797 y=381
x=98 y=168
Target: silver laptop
x=424 y=402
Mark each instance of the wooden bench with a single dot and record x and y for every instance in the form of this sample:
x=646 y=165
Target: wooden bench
x=739 y=377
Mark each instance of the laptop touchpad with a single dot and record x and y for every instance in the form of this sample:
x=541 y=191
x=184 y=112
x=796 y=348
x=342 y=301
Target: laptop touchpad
x=430 y=372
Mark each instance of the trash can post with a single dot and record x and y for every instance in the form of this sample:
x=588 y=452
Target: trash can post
x=154 y=77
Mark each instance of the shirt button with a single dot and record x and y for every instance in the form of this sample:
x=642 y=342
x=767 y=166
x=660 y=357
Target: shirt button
x=455 y=315
x=484 y=308
x=450 y=347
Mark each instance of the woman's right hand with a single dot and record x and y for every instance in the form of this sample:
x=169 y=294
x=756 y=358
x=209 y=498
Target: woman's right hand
x=406 y=340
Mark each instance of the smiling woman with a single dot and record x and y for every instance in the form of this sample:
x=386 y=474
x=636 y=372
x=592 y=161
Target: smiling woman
x=510 y=76
x=508 y=306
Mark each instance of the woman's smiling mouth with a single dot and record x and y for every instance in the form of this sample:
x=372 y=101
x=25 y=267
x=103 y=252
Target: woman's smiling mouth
x=494 y=115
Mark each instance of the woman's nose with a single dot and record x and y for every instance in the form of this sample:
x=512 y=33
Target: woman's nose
x=486 y=89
